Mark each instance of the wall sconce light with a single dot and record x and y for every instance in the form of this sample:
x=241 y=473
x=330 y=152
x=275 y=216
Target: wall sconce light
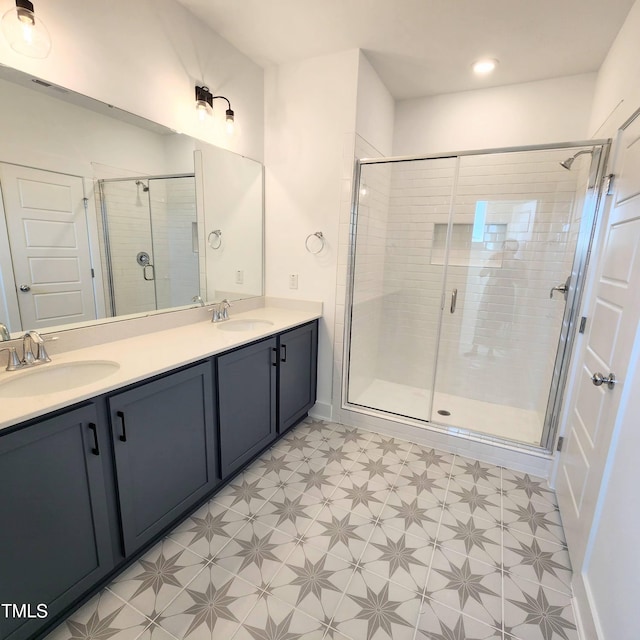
x=25 y=34
x=204 y=106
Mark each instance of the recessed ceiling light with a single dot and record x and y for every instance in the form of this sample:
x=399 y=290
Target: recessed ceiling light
x=483 y=67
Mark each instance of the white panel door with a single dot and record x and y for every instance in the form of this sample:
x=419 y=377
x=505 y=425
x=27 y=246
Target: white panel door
x=612 y=327
x=47 y=226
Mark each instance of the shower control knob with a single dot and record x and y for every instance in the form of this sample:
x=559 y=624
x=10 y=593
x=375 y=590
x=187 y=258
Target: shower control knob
x=24 y=288
x=598 y=380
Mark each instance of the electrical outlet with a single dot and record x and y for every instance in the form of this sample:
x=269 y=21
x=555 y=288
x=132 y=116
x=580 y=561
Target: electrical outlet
x=293 y=281
x=239 y=276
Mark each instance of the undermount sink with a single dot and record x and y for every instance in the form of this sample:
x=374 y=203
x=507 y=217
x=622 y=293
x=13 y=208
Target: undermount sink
x=244 y=325
x=51 y=378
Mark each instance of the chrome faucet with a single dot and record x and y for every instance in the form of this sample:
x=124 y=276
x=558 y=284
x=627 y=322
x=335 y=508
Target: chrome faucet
x=221 y=311
x=4 y=333
x=198 y=299
x=30 y=359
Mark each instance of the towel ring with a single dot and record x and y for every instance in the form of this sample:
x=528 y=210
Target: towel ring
x=216 y=243
x=317 y=234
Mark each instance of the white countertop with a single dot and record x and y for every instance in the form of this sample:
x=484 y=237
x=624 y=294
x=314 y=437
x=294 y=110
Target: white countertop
x=146 y=355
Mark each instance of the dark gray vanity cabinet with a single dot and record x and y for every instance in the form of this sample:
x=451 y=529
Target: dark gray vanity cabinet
x=165 y=450
x=55 y=538
x=246 y=402
x=298 y=356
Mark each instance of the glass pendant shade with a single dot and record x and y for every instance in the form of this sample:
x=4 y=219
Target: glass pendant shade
x=25 y=33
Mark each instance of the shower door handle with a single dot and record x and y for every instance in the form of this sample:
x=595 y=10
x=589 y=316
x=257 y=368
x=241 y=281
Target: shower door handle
x=454 y=300
x=563 y=288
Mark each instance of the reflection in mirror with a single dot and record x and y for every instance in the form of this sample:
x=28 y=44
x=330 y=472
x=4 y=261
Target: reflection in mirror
x=88 y=192
x=149 y=243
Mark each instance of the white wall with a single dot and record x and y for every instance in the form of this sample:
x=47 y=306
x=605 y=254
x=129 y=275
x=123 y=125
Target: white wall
x=146 y=57
x=617 y=91
x=375 y=109
x=310 y=113
x=531 y=113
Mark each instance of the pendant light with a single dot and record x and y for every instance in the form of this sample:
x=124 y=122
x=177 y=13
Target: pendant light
x=26 y=34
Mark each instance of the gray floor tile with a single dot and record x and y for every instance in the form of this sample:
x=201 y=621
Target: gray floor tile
x=338 y=533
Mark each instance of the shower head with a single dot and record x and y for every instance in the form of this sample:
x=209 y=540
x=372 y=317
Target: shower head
x=566 y=164
x=139 y=183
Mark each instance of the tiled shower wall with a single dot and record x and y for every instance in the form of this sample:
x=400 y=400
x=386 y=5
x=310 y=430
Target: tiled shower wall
x=503 y=297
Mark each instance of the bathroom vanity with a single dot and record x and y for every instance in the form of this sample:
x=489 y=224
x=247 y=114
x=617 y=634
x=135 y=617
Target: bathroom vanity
x=107 y=468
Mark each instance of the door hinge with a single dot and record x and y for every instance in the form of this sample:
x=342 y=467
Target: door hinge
x=560 y=443
x=608 y=184
x=93 y=273
x=583 y=324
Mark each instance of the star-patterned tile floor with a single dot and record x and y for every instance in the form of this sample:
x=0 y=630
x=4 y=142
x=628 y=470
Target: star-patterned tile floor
x=344 y=534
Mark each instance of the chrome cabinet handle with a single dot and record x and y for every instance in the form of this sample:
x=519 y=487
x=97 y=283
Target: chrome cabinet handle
x=454 y=300
x=24 y=288
x=598 y=380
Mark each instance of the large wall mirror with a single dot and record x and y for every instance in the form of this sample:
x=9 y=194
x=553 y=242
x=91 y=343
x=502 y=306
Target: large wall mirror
x=105 y=215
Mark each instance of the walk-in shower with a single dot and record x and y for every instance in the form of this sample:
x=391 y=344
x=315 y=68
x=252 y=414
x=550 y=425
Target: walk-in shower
x=464 y=282
x=149 y=243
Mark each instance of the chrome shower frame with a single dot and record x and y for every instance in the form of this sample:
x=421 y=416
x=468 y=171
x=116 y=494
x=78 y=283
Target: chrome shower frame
x=592 y=207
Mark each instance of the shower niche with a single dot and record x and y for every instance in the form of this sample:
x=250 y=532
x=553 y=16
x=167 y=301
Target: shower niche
x=450 y=322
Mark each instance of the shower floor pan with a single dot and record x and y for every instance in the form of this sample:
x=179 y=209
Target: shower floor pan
x=484 y=417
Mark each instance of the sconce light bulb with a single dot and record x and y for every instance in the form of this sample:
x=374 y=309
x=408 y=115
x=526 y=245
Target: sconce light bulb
x=230 y=121
x=202 y=109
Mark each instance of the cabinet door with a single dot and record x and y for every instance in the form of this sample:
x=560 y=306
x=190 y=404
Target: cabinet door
x=247 y=403
x=165 y=454
x=298 y=353
x=54 y=537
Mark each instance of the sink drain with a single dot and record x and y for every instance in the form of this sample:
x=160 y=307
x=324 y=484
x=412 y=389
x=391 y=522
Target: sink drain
x=444 y=412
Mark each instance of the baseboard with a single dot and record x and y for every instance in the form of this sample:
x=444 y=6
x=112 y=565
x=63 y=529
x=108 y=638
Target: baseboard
x=588 y=627
x=322 y=411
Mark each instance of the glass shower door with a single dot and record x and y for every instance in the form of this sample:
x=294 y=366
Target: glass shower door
x=397 y=277
x=512 y=239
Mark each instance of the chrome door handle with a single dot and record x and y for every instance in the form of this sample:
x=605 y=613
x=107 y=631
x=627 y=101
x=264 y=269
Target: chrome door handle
x=24 y=288
x=598 y=379
x=454 y=300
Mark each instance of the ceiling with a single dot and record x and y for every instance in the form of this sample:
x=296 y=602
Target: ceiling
x=426 y=47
